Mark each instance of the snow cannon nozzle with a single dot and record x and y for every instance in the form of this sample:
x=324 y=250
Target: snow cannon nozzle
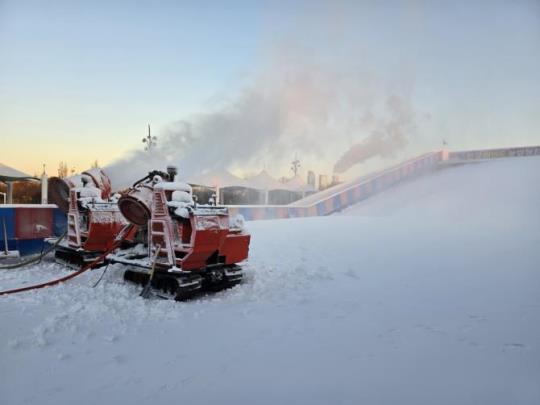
x=59 y=187
x=150 y=176
x=135 y=204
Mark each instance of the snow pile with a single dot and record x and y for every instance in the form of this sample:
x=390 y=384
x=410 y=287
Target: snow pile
x=237 y=222
x=89 y=195
x=424 y=294
x=174 y=185
x=182 y=201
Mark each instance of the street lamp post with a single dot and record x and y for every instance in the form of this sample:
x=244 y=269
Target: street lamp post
x=149 y=140
x=295 y=165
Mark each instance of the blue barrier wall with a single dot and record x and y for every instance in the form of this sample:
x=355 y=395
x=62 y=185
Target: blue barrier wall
x=23 y=232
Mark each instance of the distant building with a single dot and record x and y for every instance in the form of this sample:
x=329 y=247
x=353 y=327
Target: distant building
x=323 y=182
x=311 y=179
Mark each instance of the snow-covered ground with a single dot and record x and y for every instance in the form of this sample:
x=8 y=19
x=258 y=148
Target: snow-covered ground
x=428 y=293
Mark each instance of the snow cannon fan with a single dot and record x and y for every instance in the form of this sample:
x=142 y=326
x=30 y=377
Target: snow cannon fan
x=136 y=203
x=59 y=187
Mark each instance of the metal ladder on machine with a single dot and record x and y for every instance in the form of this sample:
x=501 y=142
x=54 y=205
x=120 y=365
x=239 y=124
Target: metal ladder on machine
x=73 y=230
x=160 y=231
x=73 y=234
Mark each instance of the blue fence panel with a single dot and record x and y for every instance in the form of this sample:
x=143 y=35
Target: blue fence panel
x=7 y=216
x=320 y=209
x=59 y=222
x=30 y=246
x=270 y=213
x=246 y=213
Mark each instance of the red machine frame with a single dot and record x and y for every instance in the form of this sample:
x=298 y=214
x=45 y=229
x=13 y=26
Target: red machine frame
x=202 y=240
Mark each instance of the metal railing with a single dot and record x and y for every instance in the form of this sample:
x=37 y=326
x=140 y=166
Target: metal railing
x=484 y=154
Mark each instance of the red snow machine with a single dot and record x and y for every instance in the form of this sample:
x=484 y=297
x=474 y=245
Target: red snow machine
x=191 y=247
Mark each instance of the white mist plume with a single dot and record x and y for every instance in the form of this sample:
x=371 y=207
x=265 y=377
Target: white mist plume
x=311 y=109
x=385 y=139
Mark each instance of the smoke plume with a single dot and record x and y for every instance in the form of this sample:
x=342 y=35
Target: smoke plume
x=384 y=140
x=311 y=109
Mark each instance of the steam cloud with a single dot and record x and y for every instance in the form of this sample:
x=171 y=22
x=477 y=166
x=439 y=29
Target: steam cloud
x=308 y=109
x=387 y=138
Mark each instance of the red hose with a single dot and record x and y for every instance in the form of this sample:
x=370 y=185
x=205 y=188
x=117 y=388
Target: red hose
x=72 y=275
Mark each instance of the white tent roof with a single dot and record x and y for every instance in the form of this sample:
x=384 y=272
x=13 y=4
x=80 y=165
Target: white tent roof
x=217 y=179
x=10 y=174
x=263 y=181
x=298 y=184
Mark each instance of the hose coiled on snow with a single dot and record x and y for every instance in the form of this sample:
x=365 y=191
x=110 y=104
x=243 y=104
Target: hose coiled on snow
x=34 y=259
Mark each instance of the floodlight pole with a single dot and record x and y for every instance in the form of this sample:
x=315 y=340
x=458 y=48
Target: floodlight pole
x=295 y=165
x=149 y=140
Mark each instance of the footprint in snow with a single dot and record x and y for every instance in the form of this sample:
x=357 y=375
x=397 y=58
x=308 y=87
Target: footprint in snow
x=351 y=273
x=119 y=359
x=478 y=318
x=514 y=346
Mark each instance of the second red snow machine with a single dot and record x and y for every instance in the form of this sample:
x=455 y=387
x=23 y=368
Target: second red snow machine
x=93 y=218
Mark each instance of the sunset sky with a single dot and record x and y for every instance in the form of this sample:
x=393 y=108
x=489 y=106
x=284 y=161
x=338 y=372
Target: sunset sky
x=79 y=81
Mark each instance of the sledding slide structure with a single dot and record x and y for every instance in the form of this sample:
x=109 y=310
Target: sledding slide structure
x=344 y=195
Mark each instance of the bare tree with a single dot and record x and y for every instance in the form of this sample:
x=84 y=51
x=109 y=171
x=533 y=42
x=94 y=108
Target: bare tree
x=62 y=170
